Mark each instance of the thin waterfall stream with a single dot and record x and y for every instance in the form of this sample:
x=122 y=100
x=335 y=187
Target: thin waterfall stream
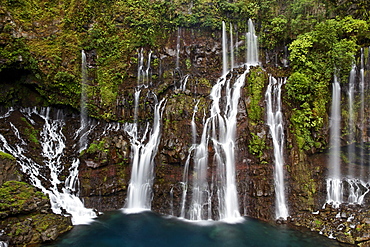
x=276 y=125
x=334 y=180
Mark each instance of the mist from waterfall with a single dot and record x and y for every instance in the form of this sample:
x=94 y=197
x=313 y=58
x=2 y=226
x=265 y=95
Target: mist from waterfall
x=276 y=125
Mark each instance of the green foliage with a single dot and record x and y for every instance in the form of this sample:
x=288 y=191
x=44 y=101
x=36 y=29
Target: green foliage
x=276 y=32
x=256 y=145
x=299 y=87
x=97 y=147
x=315 y=56
x=54 y=33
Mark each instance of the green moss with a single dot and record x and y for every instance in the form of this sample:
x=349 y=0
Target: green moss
x=97 y=146
x=6 y=156
x=14 y=194
x=317 y=222
x=31 y=132
x=256 y=81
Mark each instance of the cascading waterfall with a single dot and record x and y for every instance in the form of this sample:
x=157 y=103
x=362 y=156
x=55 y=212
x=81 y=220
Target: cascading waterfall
x=334 y=182
x=139 y=192
x=143 y=149
x=357 y=185
x=275 y=123
x=252 y=45
x=220 y=129
x=353 y=182
x=136 y=103
x=53 y=144
x=354 y=190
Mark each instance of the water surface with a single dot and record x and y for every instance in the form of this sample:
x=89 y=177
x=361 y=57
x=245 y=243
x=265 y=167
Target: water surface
x=148 y=229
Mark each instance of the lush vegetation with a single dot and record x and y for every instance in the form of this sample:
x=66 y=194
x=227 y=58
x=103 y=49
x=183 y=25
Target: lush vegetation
x=328 y=49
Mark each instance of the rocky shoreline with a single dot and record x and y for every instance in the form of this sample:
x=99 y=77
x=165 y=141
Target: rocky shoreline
x=348 y=224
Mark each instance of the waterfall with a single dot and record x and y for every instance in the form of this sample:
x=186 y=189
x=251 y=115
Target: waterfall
x=354 y=190
x=232 y=59
x=225 y=147
x=219 y=130
x=139 y=194
x=225 y=64
x=224 y=50
x=136 y=103
x=178 y=48
x=200 y=191
x=362 y=112
x=351 y=124
x=252 y=45
x=334 y=183
x=63 y=196
x=187 y=163
x=358 y=189
x=275 y=123
x=83 y=110
x=143 y=73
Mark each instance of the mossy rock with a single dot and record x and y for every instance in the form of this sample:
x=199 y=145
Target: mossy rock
x=25 y=215
x=19 y=198
x=6 y=156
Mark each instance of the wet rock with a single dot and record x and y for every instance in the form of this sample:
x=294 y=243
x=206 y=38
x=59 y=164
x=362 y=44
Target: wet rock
x=8 y=168
x=364 y=244
x=26 y=217
x=345 y=238
x=281 y=221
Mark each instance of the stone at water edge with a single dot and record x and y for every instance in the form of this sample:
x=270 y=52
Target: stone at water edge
x=26 y=217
